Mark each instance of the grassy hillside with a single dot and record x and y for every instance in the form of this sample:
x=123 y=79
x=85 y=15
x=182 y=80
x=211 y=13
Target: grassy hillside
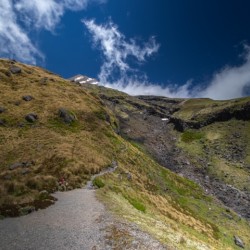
x=193 y=153
x=52 y=148
x=74 y=135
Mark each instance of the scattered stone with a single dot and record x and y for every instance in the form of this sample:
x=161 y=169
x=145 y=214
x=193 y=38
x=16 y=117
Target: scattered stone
x=114 y=164
x=29 y=164
x=2 y=110
x=21 y=164
x=17 y=103
x=7 y=177
x=25 y=171
x=16 y=165
x=2 y=122
x=66 y=115
x=44 y=81
x=26 y=210
x=239 y=242
x=7 y=73
x=20 y=125
x=27 y=98
x=31 y=117
x=15 y=69
x=129 y=176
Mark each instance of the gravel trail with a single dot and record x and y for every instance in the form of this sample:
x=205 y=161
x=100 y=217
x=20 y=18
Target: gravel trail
x=71 y=223
x=77 y=221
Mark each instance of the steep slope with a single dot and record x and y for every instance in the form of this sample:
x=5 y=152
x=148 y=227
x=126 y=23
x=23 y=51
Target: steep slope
x=54 y=135
x=204 y=140
x=215 y=143
x=149 y=123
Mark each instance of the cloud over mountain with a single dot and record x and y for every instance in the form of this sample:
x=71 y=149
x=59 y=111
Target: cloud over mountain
x=231 y=81
x=116 y=70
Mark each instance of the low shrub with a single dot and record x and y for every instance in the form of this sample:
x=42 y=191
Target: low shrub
x=98 y=183
x=136 y=204
x=189 y=136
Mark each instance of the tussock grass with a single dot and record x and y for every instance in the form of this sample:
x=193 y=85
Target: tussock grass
x=72 y=151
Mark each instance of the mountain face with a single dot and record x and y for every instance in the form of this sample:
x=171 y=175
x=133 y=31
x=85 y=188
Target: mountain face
x=204 y=140
x=182 y=165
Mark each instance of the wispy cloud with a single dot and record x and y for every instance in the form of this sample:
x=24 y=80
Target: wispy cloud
x=14 y=41
x=117 y=51
x=18 y=18
x=116 y=72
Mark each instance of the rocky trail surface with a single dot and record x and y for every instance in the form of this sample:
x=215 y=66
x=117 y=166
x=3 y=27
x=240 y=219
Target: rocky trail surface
x=76 y=221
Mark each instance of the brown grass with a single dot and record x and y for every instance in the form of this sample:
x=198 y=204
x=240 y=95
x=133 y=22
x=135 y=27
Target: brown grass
x=72 y=151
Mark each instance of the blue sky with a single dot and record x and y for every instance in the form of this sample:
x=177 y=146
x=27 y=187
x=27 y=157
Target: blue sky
x=180 y=48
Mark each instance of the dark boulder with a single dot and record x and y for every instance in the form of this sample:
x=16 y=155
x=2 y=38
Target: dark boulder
x=17 y=103
x=25 y=171
x=239 y=242
x=27 y=98
x=129 y=177
x=2 y=122
x=15 y=69
x=26 y=210
x=16 y=165
x=31 y=117
x=7 y=73
x=66 y=116
x=44 y=81
x=2 y=110
x=24 y=164
x=13 y=61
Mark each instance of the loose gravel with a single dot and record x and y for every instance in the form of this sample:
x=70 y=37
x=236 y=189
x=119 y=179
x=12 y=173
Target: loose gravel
x=77 y=221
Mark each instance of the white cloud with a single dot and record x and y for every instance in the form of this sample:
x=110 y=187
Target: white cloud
x=117 y=51
x=14 y=41
x=40 y=14
x=228 y=83
x=19 y=17
x=135 y=87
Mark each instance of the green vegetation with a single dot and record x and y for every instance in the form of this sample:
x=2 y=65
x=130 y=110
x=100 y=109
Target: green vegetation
x=189 y=136
x=136 y=204
x=198 y=110
x=61 y=127
x=98 y=183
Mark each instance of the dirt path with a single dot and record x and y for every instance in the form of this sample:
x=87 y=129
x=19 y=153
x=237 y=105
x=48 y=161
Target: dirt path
x=76 y=221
